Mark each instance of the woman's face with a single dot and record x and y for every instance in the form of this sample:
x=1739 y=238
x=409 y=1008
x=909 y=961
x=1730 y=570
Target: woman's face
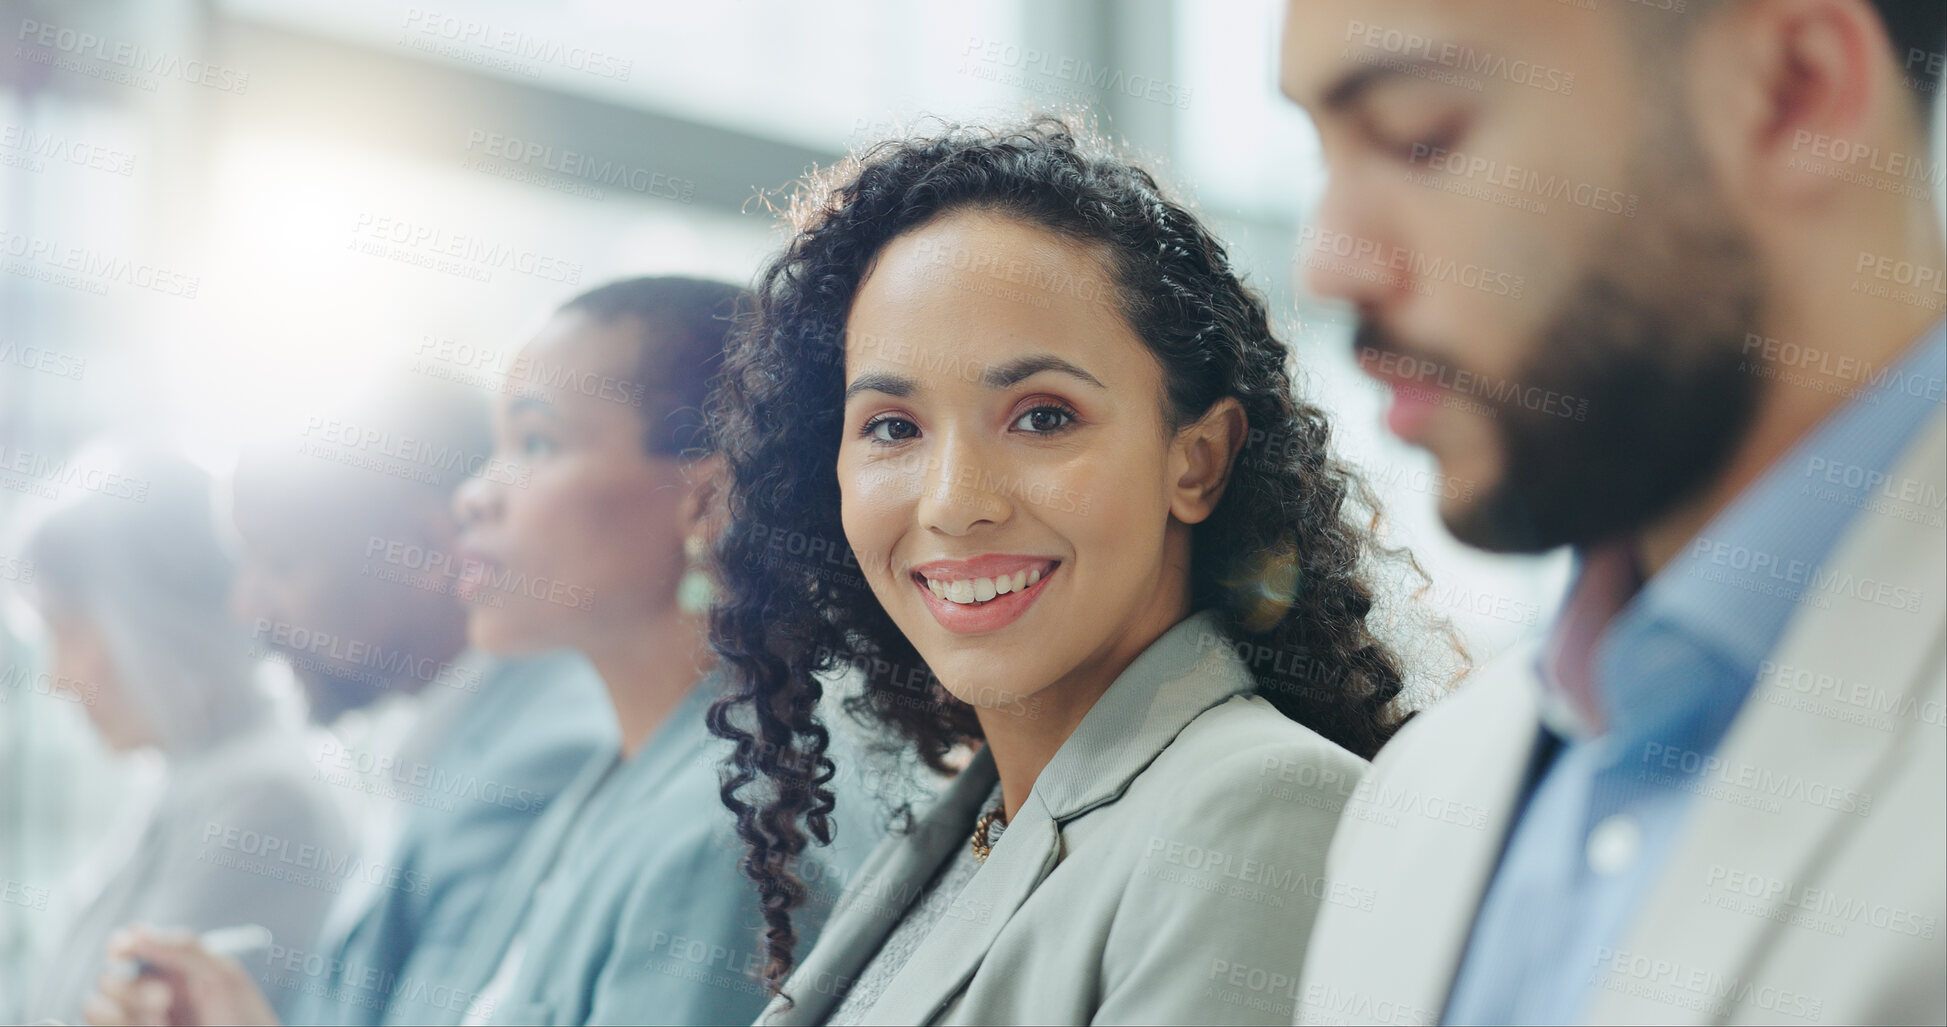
x=83 y=670
x=572 y=535
x=1006 y=474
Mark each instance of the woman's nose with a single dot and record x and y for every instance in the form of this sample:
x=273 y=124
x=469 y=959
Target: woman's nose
x=961 y=489
x=476 y=501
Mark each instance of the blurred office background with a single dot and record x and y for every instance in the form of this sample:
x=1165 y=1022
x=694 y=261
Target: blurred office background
x=215 y=214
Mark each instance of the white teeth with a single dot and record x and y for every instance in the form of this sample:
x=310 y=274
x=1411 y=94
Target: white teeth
x=980 y=590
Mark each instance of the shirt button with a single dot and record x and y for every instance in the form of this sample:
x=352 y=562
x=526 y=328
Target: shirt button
x=1614 y=844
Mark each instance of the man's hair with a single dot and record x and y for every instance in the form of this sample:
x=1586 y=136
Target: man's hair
x=1915 y=29
x=1918 y=31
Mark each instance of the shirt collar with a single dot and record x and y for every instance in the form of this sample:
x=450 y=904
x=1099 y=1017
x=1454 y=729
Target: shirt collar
x=1736 y=585
x=1607 y=577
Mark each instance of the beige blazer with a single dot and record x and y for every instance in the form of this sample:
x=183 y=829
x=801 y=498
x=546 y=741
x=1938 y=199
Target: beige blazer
x=1810 y=884
x=1165 y=868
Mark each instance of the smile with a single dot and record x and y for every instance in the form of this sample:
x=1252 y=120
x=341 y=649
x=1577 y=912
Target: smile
x=971 y=591
x=984 y=594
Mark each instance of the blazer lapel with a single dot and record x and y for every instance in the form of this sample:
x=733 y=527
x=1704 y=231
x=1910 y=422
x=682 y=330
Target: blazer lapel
x=1187 y=670
x=1813 y=769
x=1401 y=812
x=947 y=959
x=879 y=895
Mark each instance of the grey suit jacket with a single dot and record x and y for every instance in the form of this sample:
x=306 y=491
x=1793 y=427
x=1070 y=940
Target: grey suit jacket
x=1165 y=868
x=1807 y=885
x=238 y=837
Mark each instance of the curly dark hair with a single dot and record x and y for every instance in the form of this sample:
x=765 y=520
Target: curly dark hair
x=1284 y=556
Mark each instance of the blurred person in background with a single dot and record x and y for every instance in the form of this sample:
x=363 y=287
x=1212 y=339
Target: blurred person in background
x=348 y=544
x=133 y=589
x=1717 y=791
x=627 y=903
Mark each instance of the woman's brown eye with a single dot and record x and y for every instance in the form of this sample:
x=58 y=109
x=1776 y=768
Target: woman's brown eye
x=890 y=429
x=1041 y=420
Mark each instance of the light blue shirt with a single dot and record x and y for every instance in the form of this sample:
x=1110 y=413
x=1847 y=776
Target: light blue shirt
x=1670 y=671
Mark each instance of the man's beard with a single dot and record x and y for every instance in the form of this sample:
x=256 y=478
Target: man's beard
x=1651 y=339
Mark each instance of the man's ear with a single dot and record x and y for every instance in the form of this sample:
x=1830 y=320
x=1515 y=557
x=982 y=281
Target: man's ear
x=704 y=512
x=1781 y=85
x=1201 y=458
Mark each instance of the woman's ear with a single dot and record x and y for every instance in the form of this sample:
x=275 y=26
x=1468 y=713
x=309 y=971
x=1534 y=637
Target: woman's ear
x=1201 y=458
x=703 y=510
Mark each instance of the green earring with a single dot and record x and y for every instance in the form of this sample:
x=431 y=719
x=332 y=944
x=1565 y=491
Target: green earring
x=696 y=591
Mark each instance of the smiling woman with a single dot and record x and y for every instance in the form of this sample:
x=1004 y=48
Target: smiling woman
x=1096 y=538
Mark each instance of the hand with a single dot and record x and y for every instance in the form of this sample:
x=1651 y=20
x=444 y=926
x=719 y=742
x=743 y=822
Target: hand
x=190 y=987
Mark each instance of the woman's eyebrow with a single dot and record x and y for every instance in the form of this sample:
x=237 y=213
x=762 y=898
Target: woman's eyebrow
x=1001 y=376
x=879 y=381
